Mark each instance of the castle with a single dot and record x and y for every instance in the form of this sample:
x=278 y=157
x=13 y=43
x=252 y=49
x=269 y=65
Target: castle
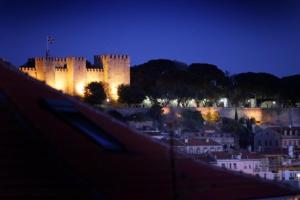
x=72 y=74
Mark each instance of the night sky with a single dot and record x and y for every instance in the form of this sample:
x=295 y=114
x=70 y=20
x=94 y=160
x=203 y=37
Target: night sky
x=238 y=36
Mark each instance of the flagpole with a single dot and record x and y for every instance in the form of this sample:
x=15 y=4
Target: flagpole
x=47 y=47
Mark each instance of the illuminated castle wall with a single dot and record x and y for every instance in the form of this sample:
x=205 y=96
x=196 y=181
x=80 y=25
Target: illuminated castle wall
x=71 y=74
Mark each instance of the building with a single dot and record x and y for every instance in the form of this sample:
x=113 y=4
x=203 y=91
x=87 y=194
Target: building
x=277 y=137
x=225 y=139
x=266 y=140
x=246 y=162
x=197 y=146
x=290 y=136
x=72 y=74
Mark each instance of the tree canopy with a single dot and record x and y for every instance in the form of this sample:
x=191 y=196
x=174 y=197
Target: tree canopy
x=172 y=80
x=94 y=93
x=130 y=94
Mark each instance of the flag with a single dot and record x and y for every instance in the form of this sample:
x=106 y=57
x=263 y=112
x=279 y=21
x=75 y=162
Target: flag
x=50 y=39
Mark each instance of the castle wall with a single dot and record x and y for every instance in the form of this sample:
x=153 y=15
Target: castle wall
x=30 y=71
x=116 y=71
x=94 y=75
x=61 y=79
x=46 y=69
x=279 y=116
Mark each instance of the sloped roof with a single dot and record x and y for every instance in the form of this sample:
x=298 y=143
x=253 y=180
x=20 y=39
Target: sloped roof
x=141 y=171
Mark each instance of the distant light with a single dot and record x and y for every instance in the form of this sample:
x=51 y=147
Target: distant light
x=274 y=102
x=166 y=110
x=107 y=100
x=298 y=175
x=80 y=88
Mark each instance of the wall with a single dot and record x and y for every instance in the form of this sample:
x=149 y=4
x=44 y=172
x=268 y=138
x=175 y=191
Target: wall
x=282 y=116
x=76 y=75
x=116 y=71
x=30 y=71
x=94 y=75
x=61 y=79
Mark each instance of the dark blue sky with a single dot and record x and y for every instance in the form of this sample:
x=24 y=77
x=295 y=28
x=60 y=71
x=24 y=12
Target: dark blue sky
x=236 y=35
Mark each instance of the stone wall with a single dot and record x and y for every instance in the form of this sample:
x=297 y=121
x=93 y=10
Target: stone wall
x=282 y=116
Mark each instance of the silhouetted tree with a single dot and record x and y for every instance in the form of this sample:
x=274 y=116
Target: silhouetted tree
x=130 y=94
x=94 y=93
x=289 y=90
x=191 y=119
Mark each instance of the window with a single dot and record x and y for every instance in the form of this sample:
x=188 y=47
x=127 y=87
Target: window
x=223 y=165
x=234 y=166
x=65 y=110
x=230 y=165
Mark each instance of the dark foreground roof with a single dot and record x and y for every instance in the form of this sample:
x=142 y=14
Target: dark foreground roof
x=49 y=151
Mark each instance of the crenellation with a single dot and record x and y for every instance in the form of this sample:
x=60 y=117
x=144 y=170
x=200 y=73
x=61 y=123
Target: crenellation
x=94 y=70
x=62 y=69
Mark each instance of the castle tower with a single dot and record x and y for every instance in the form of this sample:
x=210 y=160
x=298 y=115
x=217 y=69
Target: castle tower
x=116 y=71
x=45 y=68
x=76 y=75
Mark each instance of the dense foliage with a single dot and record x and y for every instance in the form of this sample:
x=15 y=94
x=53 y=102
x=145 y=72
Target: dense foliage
x=130 y=94
x=170 y=80
x=94 y=93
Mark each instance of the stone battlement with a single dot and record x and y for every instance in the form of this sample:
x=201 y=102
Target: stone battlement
x=94 y=70
x=77 y=58
x=59 y=59
x=61 y=69
x=114 y=56
x=24 y=68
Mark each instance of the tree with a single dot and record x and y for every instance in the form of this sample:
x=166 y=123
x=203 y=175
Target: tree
x=191 y=119
x=130 y=94
x=289 y=90
x=94 y=93
x=262 y=86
